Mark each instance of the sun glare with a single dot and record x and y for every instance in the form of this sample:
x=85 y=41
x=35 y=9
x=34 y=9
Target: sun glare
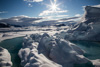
x=54 y=6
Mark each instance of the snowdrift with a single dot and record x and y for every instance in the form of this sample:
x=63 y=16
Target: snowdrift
x=48 y=51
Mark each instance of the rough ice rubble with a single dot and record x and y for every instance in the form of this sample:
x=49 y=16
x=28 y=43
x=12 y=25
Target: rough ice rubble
x=88 y=29
x=48 y=51
x=30 y=56
x=5 y=58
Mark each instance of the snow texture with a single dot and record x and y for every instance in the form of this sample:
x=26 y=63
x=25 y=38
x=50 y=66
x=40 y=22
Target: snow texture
x=48 y=51
x=96 y=62
x=5 y=58
x=88 y=29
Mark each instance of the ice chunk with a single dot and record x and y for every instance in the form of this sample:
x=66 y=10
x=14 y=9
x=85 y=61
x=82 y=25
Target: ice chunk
x=5 y=58
x=49 y=51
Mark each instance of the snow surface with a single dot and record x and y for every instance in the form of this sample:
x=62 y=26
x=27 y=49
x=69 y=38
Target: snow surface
x=96 y=62
x=8 y=33
x=5 y=58
x=48 y=51
x=88 y=29
x=46 y=47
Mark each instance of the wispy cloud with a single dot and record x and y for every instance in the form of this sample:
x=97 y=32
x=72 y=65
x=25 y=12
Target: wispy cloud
x=33 y=0
x=62 y=15
x=30 y=5
x=47 y=12
x=78 y=15
x=56 y=17
x=53 y=10
x=3 y=12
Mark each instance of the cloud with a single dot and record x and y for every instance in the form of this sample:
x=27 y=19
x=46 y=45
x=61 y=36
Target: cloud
x=62 y=15
x=78 y=15
x=53 y=9
x=56 y=17
x=3 y=12
x=33 y=0
x=48 y=12
x=30 y=5
x=70 y=18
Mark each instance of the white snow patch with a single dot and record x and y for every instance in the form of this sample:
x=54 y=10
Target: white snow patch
x=5 y=58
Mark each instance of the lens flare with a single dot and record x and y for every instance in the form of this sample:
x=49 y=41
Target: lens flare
x=54 y=6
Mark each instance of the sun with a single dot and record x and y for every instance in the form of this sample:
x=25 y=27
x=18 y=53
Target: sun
x=53 y=6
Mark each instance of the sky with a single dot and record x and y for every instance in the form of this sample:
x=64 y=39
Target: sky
x=44 y=8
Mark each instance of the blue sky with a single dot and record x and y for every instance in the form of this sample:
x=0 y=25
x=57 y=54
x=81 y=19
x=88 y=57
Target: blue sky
x=43 y=8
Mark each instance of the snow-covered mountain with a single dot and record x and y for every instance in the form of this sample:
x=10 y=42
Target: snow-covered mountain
x=18 y=21
x=4 y=25
x=66 y=21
